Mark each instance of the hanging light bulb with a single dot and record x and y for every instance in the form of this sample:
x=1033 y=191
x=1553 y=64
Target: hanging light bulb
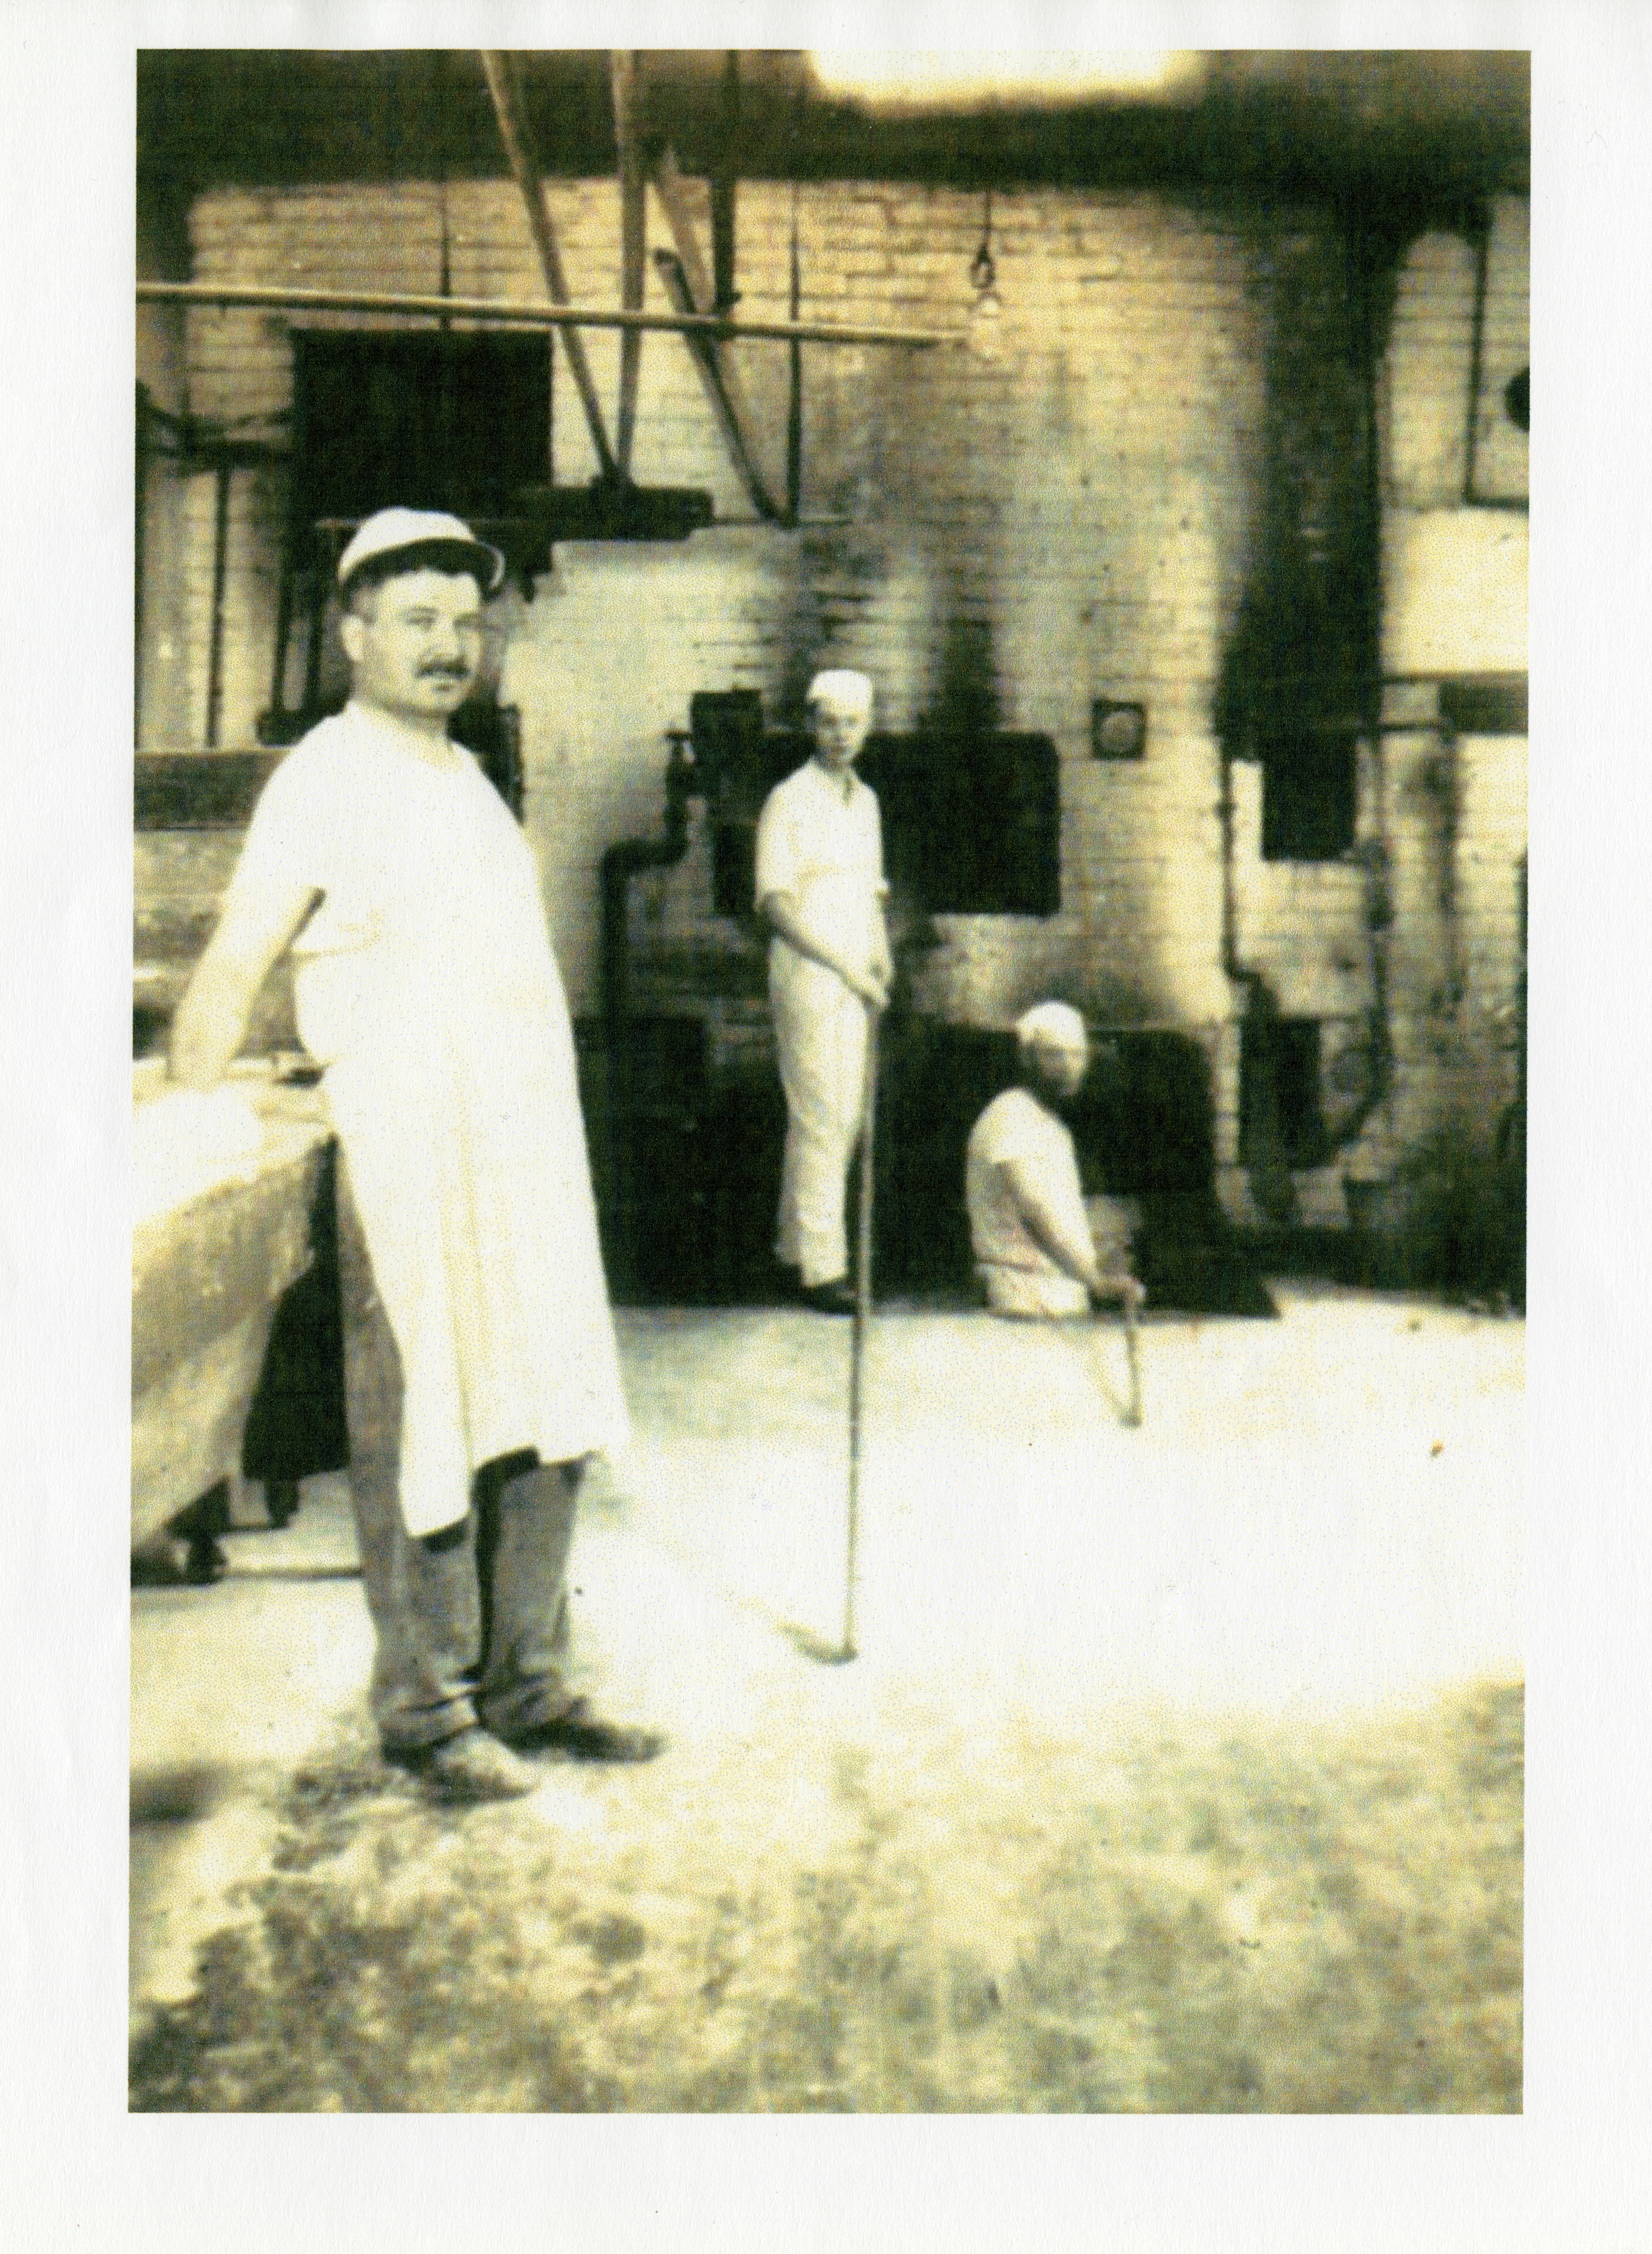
x=987 y=313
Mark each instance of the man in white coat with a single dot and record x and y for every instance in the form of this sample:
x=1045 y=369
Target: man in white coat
x=480 y=1362
x=1036 y=1247
x=821 y=890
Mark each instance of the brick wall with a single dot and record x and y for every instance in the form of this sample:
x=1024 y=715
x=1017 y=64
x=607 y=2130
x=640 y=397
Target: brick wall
x=1075 y=517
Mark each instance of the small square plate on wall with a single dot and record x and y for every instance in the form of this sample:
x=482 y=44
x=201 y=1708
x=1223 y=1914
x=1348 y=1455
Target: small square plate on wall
x=1118 y=731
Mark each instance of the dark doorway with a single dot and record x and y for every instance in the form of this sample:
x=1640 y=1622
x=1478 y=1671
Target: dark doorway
x=427 y=420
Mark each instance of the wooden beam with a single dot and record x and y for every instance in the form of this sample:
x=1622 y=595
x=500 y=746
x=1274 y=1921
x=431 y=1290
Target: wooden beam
x=529 y=313
x=519 y=148
x=714 y=374
x=673 y=192
x=627 y=71
x=725 y=175
x=693 y=290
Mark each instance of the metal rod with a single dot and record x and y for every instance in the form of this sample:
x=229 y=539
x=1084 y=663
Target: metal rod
x=140 y=528
x=795 y=391
x=284 y=628
x=1477 y=345
x=625 y=72
x=513 y=126
x=319 y=586
x=521 y=313
x=725 y=175
x=862 y=1319
x=215 y=644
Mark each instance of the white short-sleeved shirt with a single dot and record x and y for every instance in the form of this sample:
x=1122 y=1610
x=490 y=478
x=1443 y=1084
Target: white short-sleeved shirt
x=425 y=878
x=1020 y=1276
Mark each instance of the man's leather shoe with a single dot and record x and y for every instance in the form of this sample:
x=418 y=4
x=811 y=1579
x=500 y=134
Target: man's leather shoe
x=472 y=1766
x=835 y=1298
x=583 y=1736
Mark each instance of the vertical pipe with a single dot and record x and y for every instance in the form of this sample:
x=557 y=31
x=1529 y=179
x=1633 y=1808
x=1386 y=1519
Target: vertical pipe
x=794 y=400
x=1372 y=260
x=283 y=626
x=725 y=173
x=625 y=69
x=215 y=645
x=140 y=527
x=320 y=581
x=1482 y=268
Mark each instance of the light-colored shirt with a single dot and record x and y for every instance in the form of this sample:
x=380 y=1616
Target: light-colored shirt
x=1021 y=1278
x=823 y=844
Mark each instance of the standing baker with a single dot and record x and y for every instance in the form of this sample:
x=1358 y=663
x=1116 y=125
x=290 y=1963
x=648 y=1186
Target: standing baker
x=821 y=889
x=480 y=1364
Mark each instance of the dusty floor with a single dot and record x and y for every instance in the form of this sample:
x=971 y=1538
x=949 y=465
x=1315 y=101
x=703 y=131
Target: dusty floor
x=1179 y=1769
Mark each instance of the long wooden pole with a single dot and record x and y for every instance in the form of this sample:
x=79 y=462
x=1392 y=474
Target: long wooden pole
x=1133 y=1414
x=862 y=1321
x=524 y=312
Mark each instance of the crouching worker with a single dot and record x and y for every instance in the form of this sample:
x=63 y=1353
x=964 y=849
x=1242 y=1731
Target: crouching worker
x=480 y=1364
x=1036 y=1249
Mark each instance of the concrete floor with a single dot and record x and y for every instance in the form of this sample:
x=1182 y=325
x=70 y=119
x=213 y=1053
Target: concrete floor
x=1103 y=1676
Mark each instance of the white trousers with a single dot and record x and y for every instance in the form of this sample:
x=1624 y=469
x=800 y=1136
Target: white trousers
x=820 y=1033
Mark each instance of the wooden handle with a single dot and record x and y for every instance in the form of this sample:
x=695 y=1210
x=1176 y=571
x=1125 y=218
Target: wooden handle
x=862 y=1318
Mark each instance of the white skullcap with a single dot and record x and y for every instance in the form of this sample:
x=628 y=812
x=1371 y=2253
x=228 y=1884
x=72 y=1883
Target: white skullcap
x=840 y=686
x=1058 y=1023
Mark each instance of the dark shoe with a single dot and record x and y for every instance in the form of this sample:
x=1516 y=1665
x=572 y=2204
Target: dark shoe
x=472 y=1766
x=828 y=1299
x=581 y=1736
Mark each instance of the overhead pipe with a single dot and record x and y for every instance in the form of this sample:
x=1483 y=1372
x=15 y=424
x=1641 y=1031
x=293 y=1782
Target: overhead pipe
x=521 y=313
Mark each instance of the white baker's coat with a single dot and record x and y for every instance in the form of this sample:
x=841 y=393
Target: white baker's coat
x=823 y=844
x=425 y=983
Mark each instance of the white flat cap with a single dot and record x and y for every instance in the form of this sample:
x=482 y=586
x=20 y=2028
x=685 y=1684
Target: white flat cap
x=849 y=690
x=392 y=529
x=1056 y=1023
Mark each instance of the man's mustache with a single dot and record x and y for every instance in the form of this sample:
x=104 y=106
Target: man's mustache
x=444 y=672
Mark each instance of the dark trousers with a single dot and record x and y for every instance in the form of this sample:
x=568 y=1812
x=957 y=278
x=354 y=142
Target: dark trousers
x=473 y=1621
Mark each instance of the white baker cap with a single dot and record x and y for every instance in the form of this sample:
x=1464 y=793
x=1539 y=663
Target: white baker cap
x=393 y=529
x=838 y=685
x=1056 y=1023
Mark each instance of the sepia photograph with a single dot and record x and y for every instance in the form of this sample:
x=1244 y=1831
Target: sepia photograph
x=776 y=1488
x=830 y=1077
